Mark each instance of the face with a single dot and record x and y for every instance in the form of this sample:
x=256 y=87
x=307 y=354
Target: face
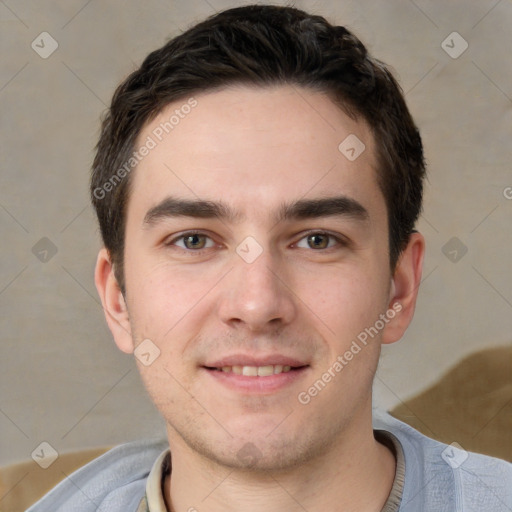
x=256 y=255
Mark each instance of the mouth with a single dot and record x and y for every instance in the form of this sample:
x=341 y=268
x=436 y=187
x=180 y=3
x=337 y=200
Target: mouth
x=248 y=375
x=256 y=371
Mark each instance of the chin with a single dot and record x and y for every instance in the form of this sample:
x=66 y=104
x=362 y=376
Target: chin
x=261 y=450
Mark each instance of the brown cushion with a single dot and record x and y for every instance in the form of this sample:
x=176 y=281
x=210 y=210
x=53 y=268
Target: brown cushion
x=471 y=405
x=23 y=484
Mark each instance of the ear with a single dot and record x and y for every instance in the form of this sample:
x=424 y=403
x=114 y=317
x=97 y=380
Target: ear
x=404 y=288
x=113 y=302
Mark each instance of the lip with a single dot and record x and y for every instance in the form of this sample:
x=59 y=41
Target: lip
x=256 y=384
x=250 y=360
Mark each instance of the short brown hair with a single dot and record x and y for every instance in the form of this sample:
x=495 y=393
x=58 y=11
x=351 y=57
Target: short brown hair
x=262 y=45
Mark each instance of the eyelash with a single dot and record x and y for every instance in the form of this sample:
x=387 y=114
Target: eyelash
x=340 y=241
x=173 y=241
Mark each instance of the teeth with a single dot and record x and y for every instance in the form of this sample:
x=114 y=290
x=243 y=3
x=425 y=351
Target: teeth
x=250 y=371
x=264 y=371
x=256 y=371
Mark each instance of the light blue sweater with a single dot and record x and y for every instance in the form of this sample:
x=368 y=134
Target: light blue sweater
x=438 y=477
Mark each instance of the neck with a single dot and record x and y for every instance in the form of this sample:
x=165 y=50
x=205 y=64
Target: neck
x=355 y=474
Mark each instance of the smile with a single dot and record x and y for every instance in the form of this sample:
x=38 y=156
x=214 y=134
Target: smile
x=256 y=371
x=251 y=379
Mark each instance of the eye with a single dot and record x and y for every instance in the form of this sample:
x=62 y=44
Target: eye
x=193 y=241
x=318 y=240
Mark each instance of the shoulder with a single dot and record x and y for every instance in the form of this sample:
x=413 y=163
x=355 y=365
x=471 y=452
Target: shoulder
x=446 y=477
x=115 y=481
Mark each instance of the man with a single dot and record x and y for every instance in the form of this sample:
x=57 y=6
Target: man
x=257 y=182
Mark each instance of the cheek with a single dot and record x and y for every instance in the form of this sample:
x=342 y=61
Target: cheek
x=346 y=300
x=165 y=303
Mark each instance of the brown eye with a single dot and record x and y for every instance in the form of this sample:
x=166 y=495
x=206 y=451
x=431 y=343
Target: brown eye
x=318 y=241
x=194 y=241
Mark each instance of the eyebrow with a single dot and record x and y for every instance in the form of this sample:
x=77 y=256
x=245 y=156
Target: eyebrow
x=324 y=207
x=298 y=210
x=198 y=208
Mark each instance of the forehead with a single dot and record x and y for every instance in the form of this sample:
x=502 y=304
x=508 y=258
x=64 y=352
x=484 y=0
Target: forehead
x=255 y=148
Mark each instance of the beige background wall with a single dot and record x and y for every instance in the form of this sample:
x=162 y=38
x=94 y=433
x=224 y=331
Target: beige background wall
x=61 y=378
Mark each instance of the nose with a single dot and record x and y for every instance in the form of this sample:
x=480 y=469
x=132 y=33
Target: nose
x=257 y=296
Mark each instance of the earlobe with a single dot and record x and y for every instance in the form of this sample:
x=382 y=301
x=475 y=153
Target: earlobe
x=404 y=288
x=113 y=302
